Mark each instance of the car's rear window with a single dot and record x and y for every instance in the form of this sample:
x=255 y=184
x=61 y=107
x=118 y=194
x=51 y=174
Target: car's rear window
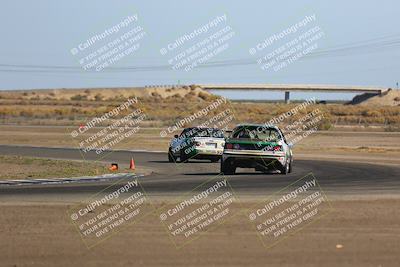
x=203 y=132
x=256 y=132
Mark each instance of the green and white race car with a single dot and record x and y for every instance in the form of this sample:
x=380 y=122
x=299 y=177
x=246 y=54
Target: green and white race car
x=257 y=146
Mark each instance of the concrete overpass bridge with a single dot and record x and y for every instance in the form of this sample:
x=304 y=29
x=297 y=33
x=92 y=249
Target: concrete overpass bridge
x=287 y=88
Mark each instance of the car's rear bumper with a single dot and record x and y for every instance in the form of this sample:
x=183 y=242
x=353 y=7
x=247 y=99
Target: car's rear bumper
x=253 y=153
x=209 y=152
x=254 y=158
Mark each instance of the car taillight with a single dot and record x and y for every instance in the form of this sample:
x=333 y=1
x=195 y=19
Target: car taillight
x=197 y=143
x=228 y=146
x=277 y=148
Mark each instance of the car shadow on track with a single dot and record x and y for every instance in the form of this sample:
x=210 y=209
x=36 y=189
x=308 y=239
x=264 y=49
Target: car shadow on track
x=191 y=162
x=233 y=175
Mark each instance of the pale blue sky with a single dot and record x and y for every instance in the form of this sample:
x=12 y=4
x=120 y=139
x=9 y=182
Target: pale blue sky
x=42 y=32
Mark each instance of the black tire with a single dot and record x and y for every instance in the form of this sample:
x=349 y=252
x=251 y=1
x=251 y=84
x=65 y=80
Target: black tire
x=266 y=171
x=291 y=166
x=171 y=157
x=228 y=167
x=183 y=157
x=285 y=168
x=213 y=160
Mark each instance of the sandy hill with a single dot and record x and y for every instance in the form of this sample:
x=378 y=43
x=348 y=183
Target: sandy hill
x=107 y=93
x=389 y=98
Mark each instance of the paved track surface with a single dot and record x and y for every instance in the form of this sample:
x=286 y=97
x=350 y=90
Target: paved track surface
x=335 y=178
x=35 y=230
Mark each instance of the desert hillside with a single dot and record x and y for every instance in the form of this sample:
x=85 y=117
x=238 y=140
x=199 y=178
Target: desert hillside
x=107 y=94
x=388 y=98
x=163 y=106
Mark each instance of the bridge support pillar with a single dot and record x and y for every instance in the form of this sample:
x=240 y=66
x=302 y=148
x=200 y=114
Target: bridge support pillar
x=287 y=100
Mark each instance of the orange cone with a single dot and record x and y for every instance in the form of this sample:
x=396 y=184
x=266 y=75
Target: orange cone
x=114 y=167
x=132 y=165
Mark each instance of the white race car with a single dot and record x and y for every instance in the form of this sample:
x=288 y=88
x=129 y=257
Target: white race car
x=197 y=143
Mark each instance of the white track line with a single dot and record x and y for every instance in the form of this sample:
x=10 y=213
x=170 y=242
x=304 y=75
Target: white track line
x=105 y=177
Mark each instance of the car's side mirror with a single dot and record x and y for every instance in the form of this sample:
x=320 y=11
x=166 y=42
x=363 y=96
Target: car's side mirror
x=176 y=136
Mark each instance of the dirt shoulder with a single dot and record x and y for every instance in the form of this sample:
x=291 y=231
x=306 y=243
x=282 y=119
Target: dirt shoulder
x=17 y=167
x=354 y=233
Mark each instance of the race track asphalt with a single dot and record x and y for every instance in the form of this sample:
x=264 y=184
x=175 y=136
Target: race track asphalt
x=335 y=178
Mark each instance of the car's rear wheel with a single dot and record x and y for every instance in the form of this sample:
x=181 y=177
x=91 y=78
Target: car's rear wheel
x=285 y=169
x=228 y=167
x=291 y=166
x=214 y=159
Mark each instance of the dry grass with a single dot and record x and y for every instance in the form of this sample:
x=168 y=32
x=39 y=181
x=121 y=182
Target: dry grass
x=164 y=106
x=17 y=167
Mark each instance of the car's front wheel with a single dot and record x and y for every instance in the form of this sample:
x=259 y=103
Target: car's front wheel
x=183 y=157
x=171 y=157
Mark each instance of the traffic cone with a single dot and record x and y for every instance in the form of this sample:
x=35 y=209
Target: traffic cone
x=132 y=164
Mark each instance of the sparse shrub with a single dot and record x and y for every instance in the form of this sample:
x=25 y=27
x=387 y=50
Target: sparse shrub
x=78 y=97
x=203 y=96
x=98 y=97
x=26 y=113
x=371 y=113
x=325 y=125
x=156 y=95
